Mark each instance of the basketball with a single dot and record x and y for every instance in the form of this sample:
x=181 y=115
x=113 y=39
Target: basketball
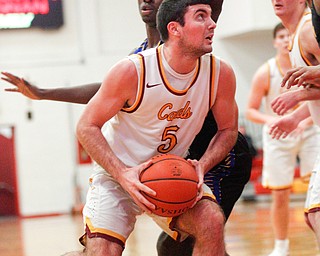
x=174 y=180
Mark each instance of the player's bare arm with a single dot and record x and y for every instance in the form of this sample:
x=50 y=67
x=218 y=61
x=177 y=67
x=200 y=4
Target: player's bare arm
x=227 y=122
x=118 y=89
x=75 y=94
x=309 y=45
x=288 y=100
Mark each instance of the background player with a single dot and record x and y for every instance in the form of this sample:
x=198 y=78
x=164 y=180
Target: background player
x=280 y=156
x=304 y=55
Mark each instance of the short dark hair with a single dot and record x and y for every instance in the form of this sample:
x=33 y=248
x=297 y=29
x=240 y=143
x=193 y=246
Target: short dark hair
x=174 y=10
x=278 y=27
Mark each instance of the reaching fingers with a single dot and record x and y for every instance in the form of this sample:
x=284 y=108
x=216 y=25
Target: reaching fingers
x=294 y=79
x=12 y=89
x=20 y=83
x=290 y=78
x=286 y=77
x=10 y=78
x=277 y=107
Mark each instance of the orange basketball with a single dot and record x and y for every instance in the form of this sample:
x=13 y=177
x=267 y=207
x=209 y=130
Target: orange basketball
x=174 y=180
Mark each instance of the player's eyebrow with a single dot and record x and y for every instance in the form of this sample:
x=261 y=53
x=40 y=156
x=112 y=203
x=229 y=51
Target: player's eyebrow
x=203 y=10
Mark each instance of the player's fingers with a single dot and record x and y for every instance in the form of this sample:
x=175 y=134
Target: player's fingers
x=7 y=80
x=144 y=204
x=282 y=111
x=141 y=197
x=145 y=165
x=273 y=131
x=12 y=90
x=289 y=78
x=285 y=79
x=200 y=194
x=12 y=77
x=291 y=81
x=276 y=108
x=146 y=189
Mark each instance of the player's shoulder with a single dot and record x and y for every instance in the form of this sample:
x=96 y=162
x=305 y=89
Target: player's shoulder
x=225 y=67
x=264 y=68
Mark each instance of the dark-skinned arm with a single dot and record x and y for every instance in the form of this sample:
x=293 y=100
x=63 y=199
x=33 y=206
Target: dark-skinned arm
x=75 y=94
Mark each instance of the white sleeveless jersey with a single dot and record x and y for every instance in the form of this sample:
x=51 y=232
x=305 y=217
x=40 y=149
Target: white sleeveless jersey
x=163 y=119
x=297 y=57
x=275 y=77
x=298 y=60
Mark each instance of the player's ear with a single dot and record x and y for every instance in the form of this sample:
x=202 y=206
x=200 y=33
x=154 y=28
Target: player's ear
x=173 y=28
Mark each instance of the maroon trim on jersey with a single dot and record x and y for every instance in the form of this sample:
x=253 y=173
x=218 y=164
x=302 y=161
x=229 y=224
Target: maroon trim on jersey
x=315 y=209
x=211 y=85
x=141 y=85
x=88 y=233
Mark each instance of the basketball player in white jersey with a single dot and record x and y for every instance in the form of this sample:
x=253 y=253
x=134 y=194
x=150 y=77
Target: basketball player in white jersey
x=184 y=79
x=280 y=157
x=305 y=53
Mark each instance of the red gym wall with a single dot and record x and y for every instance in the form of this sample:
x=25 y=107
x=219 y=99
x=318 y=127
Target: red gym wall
x=8 y=181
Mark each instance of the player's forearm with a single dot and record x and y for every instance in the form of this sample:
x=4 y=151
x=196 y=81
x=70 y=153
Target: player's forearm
x=98 y=148
x=219 y=147
x=300 y=113
x=76 y=94
x=309 y=94
x=256 y=116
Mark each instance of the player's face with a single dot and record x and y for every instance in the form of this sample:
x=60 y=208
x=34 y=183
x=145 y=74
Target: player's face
x=198 y=31
x=281 y=41
x=148 y=10
x=285 y=7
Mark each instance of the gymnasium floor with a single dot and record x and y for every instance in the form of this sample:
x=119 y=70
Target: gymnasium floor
x=248 y=233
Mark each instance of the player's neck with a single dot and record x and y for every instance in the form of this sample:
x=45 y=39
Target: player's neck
x=153 y=36
x=178 y=60
x=291 y=22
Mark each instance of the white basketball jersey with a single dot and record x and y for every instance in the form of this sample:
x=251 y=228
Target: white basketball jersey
x=275 y=78
x=298 y=60
x=296 y=55
x=163 y=118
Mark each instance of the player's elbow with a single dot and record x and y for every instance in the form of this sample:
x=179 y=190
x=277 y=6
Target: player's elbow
x=81 y=129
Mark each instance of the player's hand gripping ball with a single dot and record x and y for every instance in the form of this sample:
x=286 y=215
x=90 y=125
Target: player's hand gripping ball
x=174 y=180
